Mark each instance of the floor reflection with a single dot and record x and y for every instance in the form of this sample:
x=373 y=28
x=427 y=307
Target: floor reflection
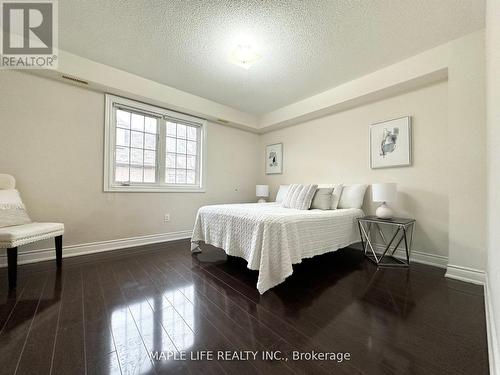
x=179 y=320
x=20 y=298
x=390 y=289
x=159 y=323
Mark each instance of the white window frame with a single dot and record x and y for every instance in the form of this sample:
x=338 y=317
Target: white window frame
x=163 y=115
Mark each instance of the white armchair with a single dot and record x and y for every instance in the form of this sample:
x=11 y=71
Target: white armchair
x=13 y=236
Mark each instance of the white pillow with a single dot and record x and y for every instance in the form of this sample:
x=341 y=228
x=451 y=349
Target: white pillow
x=299 y=196
x=282 y=193
x=352 y=196
x=337 y=192
x=12 y=210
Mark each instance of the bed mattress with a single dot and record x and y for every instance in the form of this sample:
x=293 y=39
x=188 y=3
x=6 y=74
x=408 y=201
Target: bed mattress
x=272 y=238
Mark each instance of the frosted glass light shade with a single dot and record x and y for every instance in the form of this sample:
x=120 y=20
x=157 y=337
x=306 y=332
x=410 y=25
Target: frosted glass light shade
x=262 y=190
x=385 y=192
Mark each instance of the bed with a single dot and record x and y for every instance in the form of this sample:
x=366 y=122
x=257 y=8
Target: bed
x=272 y=238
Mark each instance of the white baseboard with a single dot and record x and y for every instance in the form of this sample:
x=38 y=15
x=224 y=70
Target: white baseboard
x=416 y=256
x=424 y=258
x=95 y=247
x=469 y=275
x=493 y=349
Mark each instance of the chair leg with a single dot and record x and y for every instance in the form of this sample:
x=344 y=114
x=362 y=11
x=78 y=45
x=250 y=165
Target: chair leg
x=12 y=267
x=58 y=240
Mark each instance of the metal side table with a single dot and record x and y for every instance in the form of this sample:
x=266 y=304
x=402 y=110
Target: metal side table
x=404 y=228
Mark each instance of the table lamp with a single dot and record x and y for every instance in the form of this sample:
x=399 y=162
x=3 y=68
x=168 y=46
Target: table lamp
x=384 y=192
x=262 y=191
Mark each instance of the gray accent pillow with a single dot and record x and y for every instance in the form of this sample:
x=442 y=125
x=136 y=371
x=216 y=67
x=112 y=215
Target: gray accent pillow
x=299 y=196
x=322 y=199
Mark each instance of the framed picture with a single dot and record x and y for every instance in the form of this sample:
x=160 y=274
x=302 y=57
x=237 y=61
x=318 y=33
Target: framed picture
x=390 y=143
x=274 y=158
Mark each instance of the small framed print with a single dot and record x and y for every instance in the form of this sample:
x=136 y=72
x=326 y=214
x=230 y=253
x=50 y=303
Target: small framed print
x=390 y=143
x=274 y=158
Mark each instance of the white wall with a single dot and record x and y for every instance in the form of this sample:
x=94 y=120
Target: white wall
x=467 y=153
x=51 y=140
x=493 y=137
x=444 y=189
x=334 y=149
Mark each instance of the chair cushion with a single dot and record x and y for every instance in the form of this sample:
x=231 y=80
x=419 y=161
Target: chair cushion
x=24 y=234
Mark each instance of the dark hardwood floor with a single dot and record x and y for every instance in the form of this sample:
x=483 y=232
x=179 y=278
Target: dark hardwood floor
x=105 y=313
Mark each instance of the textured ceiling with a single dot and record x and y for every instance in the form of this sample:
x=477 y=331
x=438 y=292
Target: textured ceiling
x=306 y=46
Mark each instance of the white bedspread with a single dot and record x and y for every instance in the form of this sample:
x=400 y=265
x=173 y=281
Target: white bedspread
x=272 y=238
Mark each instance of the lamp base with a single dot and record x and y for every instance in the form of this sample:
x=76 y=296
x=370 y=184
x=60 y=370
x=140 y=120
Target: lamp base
x=262 y=200
x=384 y=212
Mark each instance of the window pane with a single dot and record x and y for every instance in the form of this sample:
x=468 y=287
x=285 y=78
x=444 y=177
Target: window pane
x=181 y=131
x=150 y=141
x=122 y=119
x=191 y=177
x=122 y=137
x=170 y=176
x=191 y=162
x=137 y=122
x=149 y=175
x=170 y=160
x=122 y=154
x=181 y=161
x=181 y=146
x=137 y=139
x=121 y=174
x=180 y=177
x=192 y=133
x=136 y=152
x=150 y=125
x=136 y=174
x=149 y=158
x=191 y=147
x=171 y=126
x=170 y=144
x=136 y=156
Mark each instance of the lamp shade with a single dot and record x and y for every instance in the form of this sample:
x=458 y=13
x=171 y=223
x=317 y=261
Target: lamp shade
x=262 y=190
x=385 y=192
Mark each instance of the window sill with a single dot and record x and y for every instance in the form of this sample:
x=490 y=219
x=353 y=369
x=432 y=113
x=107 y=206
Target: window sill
x=152 y=189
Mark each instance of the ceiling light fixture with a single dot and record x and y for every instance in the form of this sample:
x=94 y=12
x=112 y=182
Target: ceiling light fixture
x=244 y=55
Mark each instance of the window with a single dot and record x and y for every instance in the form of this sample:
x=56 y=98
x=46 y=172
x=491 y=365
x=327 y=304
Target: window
x=152 y=149
x=135 y=148
x=182 y=149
